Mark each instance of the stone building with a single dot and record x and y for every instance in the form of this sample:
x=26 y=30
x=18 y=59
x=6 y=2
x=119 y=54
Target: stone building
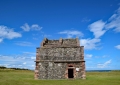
x=60 y=59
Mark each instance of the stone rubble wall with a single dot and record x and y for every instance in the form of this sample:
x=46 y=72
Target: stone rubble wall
x=50 y=70
x=60 y=54
x=54 y=57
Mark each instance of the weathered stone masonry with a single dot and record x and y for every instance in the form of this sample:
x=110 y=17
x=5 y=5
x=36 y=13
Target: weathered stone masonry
x=60 y=59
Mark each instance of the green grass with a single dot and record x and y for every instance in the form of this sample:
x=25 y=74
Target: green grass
x=16 y=77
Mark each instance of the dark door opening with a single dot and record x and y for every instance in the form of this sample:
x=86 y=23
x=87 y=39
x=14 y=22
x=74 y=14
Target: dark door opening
x=70 y=73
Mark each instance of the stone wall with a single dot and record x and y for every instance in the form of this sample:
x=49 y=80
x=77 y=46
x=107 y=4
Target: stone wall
x=60 y=53
x=55 y=56
x=52 y=70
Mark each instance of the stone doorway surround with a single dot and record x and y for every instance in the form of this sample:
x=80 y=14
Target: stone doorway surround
x=70 y=71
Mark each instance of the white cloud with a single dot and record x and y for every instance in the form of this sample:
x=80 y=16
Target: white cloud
x=33 y=65
x=18 y=61
x=104 y=56
x=118 y=46
x=90 y=43
x=45 y=35
x=1 y=40
x=19 y=65
x=88 y=55
x=29 y=53
x=26 y=27
x=87 y=43
x=8 y=33
x=114 y=21
x=3 y=57
x=24 y=43
x=97 y=28
x=104 y=65
x=24 y=63
x=36 y=27
x=112 y=17
x=33 y=58
x=70 y=34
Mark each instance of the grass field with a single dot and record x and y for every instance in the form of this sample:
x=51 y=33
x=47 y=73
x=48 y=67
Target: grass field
x=16 y=77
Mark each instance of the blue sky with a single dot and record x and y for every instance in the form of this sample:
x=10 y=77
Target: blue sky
x=25 y=23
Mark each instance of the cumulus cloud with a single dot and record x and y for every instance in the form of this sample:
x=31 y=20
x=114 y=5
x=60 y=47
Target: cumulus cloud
x=118 y=46
x=114 y=21
x=70 y=33
x=8 y=33
x=90 y=43
x=100 y=27
x=104 y=65
x=26 y=27
x=97 y=28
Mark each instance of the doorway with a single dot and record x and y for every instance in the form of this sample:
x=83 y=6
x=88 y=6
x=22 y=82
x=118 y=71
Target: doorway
x=70 y=73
